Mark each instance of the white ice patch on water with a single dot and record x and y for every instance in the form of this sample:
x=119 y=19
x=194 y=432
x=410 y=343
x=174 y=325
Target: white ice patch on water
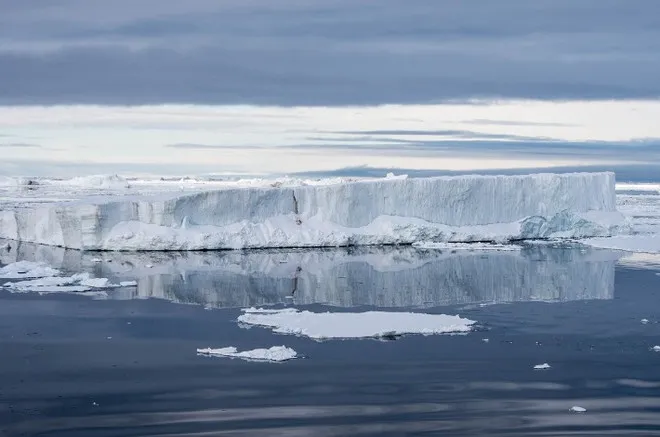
x=464 y=246
x=655 y=348
x=370 y=324
x=27 y=270
x=273 y=354
x=630 y=243
x=578 y=409
x=40 y=278
x=128 y=283
x=543 y=366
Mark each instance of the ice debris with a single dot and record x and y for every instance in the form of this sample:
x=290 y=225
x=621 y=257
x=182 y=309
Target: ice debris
x=273 y=354
x=345 y=325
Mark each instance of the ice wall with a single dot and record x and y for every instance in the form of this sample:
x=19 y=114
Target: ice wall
x=388 y=211
x=382 y=277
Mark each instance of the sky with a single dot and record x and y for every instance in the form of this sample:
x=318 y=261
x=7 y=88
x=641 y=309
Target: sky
x=301 y=86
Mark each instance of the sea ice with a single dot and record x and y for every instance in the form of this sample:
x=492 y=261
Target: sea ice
x=371 y=212
x=632 y=243
x=577 y=409
x=543 y=366
x=27 y=270
x=273 y=354
x=655 y=348
x=48 y=280
x=370 y=324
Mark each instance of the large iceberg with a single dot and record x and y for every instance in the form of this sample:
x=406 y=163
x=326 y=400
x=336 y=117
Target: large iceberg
x=386 y=211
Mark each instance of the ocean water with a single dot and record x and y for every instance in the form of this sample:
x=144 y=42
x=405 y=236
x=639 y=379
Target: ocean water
x=125 y=364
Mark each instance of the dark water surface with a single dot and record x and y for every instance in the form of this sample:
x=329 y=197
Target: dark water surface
x=126 y=365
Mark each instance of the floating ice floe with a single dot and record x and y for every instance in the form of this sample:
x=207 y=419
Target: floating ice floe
x=40 y=278
x=644 y=321
x=76 y=283
x=543 y=366
x=273 y=354
x=578 y=409
x=27 y=270
x=464 y=246
x=655 y=348
x=370 y=324
x=631 y=243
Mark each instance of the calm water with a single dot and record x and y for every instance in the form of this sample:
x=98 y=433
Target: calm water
x=125 y=365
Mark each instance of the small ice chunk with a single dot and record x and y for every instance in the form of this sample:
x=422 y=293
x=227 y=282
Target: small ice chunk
x=27 y=270
x=128 y=283
x=577 y=409
x=543 y=366
x=370 y=324
x=97 y=260
x=149 y=266
x=644 y=321
x=655 y=348
x=485 y=340
x=273 y=354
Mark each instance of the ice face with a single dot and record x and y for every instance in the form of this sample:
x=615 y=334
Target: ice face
x=373 y=212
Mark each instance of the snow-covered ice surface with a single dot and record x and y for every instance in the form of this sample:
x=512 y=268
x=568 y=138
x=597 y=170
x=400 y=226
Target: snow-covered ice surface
x=27 y=269
x=49 y=280
x=640 y=203
x=465 y=246
x=369 y=324
x=273 y=354
x=296 y=213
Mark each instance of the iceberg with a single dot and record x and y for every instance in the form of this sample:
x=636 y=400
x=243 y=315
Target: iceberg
x=371 y=212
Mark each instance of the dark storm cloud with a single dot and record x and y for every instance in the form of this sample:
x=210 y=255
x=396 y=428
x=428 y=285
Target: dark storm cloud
x=295 y=52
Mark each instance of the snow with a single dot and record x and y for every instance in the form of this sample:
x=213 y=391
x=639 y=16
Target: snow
x=273 y=354
x=392 y=210
x=39 y=277
x=465 y=246
x=27 y=269
x=79 y=282
x=98 y=181
x=370 y=324
x=543 y=366
x=631 y=243
x=578 y=409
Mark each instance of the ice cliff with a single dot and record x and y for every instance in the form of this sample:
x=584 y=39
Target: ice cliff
x=387 y=211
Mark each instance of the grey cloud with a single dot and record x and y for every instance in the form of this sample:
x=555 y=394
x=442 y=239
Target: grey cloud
x=490 y=122
x=19 y=145
x=294 y=52
x=624 y=173
x=194 y=146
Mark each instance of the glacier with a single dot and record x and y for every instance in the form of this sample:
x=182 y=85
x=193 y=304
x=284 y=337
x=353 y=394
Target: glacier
x=369 y=212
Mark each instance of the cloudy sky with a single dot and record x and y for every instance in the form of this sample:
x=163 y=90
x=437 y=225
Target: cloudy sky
x=262 y=86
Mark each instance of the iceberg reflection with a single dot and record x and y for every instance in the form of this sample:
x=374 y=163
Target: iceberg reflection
x=345 y=277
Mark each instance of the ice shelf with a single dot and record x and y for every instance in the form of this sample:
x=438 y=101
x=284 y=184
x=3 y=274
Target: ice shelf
x=372 y=212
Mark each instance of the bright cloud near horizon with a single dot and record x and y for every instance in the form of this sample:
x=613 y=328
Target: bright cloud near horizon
x=260 y=87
